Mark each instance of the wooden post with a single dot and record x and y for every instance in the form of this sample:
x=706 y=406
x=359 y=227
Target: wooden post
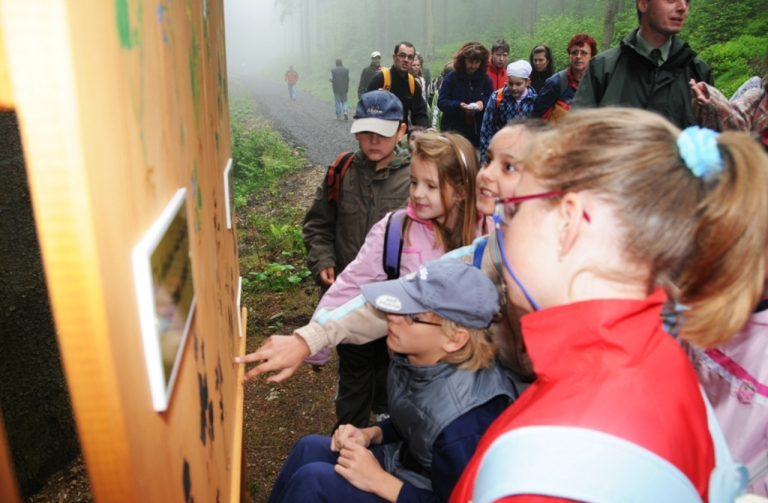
x=122 y=103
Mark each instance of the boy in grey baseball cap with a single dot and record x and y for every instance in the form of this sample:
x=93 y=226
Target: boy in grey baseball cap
x=453 y=290
x=444 y=389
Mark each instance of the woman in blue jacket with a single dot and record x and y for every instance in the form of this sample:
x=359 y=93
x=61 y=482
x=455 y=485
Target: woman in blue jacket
x=465 y=91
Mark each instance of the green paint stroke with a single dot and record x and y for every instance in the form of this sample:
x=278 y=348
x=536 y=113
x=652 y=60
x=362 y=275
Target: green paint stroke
x=197 y=196
x=194 y=75
x=123 y=23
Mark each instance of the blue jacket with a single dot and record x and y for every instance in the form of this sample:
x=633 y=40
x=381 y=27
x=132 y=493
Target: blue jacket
x=461 y=88
x=550 y=94
x=508 y=109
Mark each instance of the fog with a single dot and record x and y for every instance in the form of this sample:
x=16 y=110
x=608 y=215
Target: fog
x=254 y=34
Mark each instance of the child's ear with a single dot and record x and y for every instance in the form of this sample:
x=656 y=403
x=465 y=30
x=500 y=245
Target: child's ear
x=401 y=132
x=454 y=343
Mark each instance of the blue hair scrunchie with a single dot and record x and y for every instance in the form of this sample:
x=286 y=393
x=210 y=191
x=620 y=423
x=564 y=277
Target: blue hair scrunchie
x=698 y=148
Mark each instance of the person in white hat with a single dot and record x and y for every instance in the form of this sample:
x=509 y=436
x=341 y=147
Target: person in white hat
x=513 y=101
x=368 y=73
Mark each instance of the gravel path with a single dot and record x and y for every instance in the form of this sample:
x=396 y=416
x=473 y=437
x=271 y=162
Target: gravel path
x=307 y=122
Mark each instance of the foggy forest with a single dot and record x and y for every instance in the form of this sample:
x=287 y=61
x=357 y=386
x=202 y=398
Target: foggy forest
x=265 y=36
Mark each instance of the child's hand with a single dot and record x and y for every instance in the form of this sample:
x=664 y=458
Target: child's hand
x=347 y=433
x=699 y=91
x=361 y=469
x=327 y=276
x=281 y=353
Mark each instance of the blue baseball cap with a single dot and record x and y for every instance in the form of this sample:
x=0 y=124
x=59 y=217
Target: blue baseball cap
x=453 y=290
x=379 y=112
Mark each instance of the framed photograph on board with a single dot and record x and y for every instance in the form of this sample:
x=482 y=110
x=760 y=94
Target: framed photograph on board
x=229 y=193
x=162 y=268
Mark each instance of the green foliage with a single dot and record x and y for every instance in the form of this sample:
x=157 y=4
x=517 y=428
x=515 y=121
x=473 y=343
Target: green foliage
x=275 y=276
x=259 y=155
x=260 y=161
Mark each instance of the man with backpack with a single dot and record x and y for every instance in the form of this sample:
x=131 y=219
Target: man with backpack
x=399 y=82
x=339 y=78
x=359 y=190
x=650 y=68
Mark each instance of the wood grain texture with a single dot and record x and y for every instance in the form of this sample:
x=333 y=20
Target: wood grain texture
x=121 y=103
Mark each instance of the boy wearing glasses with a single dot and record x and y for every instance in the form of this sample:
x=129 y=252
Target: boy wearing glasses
x=445 y=389
x=376 y=183
x=414 y=105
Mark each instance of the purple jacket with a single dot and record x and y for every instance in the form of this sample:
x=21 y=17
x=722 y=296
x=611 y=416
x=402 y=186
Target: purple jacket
x=735 y=378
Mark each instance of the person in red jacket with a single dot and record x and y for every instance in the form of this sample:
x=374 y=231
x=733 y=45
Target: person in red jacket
x=291 y=77
x=616 y=216
x=497 y=67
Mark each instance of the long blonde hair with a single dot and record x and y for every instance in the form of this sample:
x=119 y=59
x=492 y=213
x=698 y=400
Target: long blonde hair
x=703 y=239
x=456 y=162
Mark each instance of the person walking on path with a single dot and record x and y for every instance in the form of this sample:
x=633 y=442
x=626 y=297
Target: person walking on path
x=339 y=78
x=291 y=77
x=368 y=73
x=398 y=82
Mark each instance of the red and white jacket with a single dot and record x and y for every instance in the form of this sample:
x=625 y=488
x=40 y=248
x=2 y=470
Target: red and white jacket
x=609 y=366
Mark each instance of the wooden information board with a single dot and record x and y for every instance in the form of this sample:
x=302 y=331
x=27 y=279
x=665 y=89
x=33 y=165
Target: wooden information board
x=121 y=103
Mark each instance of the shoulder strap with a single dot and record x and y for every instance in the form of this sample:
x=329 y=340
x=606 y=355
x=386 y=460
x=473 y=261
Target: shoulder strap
x=412 y=84
x=563 y=82
x=499 y=99
x=387 y=79
x=477 y=258
x=335 y=175
x=393 y=244
x=578 y=464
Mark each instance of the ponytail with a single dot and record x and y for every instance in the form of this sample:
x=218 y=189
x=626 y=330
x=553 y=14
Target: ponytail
x=723 y=281
x=694 y=207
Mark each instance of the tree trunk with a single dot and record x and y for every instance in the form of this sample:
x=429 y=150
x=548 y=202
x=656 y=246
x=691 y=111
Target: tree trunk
x=429 y=54
x=379 y=28
x=610 y=20
x=562 y=7
x=532 y=18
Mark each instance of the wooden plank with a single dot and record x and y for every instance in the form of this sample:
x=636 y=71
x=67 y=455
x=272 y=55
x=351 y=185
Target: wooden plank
x=120 y=105
x=240 y=473
x=6 y=97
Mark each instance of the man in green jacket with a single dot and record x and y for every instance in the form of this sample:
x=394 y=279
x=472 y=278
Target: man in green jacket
x=650 y=69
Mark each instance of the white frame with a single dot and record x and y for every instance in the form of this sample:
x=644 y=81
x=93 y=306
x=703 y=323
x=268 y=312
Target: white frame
x=239 y=306
x=228 y=198
x=142 y=270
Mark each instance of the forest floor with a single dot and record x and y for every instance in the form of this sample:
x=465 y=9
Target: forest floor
x=275 y=415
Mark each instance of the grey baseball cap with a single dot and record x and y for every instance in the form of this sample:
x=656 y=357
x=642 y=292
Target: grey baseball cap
x=379 y=112
x=453 y=290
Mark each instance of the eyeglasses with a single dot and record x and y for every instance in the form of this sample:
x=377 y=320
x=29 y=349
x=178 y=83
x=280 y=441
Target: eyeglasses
x=403 y=55
x=411 y=319
x=576 y=52
x=507 y=207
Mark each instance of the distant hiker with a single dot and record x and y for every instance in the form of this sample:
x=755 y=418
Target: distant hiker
x=291 y=77
x=556 y=96
x=651 y=67
x=543 y=66
x=339 y=78
x=497 y=67
x=399 y=82
x=424 y=73
x=368 y=73
x=347 y=204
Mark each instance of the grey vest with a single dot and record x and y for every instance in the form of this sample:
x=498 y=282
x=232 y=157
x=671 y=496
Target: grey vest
x=423 y=400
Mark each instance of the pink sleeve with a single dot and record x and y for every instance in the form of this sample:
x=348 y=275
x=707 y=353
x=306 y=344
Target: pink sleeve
x=366 y=268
